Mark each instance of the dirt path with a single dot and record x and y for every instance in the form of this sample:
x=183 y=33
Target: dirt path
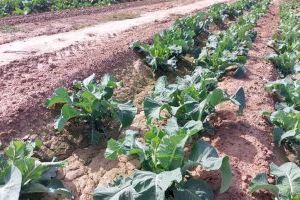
x=247 y=139
x=26 y=83
x=47 y=44
x=21 y=27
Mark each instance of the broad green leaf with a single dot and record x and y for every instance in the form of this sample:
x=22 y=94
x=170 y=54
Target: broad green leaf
x=19 y=149
x=206 y=156
x=172 y=126
x=53 y=187
x=160 y=85
x=287 y=183
x=32 y=169
x=239 y=98
x=10 y=186
x=194 y=190
x=152 y=108
x=287 y=135
x=217 y=96
x=94 y=137
x=260 y=182
x=121 y=191
x=190 y=110
x=60 y=96
x=151 y=186
x=277 y=133
x=89 y=80
x=130 y=141
x=87 y=102
x=288 y=178
x=126 y=113
x=67 y=112
x=192 y=127
x=240 y=72
x=170 y=152
x=127 y=146
x=109 y=83
x=113 y=149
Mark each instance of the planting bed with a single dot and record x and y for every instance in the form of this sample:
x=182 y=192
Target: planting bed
x=190 y=113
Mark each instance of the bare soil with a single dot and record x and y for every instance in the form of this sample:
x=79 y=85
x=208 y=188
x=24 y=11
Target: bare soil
x=25 y=84
x=21 y=27
x=247 y=138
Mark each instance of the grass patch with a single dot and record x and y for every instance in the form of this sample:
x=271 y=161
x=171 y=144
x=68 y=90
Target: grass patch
x=8 y=29
x=123 y=16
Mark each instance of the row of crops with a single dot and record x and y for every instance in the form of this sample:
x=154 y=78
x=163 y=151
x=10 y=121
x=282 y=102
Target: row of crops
x=286 y=118
x=21 y=7
x=184 y=106
x=177 y=113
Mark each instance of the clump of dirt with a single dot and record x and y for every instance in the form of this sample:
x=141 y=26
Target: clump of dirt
x=87 y=168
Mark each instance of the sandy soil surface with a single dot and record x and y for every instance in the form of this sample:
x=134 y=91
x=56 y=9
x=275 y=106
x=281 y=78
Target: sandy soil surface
x=100 y=32
x=21 y=27
x=25 y=84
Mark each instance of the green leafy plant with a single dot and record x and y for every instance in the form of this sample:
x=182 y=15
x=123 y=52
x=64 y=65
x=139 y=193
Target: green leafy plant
x=286 y=42
x=230 y=47
x=192 y=97
x=91 y=101
x=22 y=174
x=286 y=118
x=182 y=38
x=66 y=4
x=287 y=127
x=21 y=7
x=236 y=9
x=287 y=90
x=217 y=13
x=171 y=43
x=287 y=183
x=162 y=158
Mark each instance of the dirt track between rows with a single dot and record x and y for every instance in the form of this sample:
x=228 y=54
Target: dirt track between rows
x=97 y=33
x=21 y=27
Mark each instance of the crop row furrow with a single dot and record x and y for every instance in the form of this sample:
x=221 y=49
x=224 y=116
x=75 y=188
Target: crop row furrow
x=286 y=117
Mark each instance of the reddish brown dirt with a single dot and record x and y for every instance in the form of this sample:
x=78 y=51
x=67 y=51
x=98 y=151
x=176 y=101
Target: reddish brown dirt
x=26 y=84
x=46 y=16
x=247 y=138
x=20 y=27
